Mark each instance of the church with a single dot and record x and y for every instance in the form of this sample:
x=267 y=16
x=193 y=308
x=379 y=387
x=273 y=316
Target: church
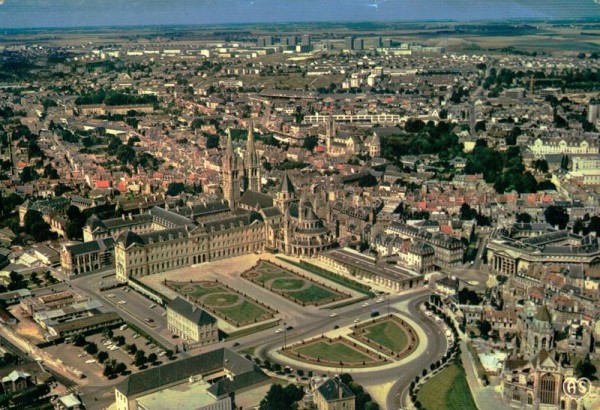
x=253 y=221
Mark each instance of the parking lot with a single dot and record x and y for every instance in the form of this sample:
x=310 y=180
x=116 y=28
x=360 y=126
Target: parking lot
x=77 y=357
x=149 y=316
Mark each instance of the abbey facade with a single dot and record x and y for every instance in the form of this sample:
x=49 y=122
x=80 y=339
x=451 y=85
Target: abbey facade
x=166 y=239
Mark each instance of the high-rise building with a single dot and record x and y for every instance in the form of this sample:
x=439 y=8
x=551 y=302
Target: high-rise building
x=594 y=111
x=305 y=41
x=359 y=44
x=290 y=41
x=349 y=43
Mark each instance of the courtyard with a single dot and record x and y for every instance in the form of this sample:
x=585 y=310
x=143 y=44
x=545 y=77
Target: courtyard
x=293 y=286
x=223 y=301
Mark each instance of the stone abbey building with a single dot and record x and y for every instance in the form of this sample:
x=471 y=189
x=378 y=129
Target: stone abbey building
x=165 y=239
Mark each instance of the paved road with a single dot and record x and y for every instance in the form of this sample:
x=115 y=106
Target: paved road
x=307 y=323
x=398 y=377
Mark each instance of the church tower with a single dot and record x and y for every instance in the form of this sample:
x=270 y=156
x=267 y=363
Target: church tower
x=285 y=195
x=540 y=333
x=330 y=133
x=230 y=174
x=252 y=162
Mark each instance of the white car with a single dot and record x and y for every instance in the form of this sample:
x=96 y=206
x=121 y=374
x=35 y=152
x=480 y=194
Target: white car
x=90 y=361
x=110 y=295
x=279 y=330
x=365 y=304
x=333 y=314
x=380 y=300
x=113 y=348
x=121 y=302
x=136 y=336
x=356 y=320
x=152 y=306
x=82 y=355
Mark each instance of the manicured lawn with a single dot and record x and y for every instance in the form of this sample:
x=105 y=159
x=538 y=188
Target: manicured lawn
x=447 y=390
x=245 y=312
x=387 y=334
x=198 y=291
x=221 y=299
x=269 y=271
x=313 y=294
x=287 y=284
x=335 y=352
x=334 y=277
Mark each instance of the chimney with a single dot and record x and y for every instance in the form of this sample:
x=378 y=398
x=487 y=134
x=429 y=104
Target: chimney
x=123 y=216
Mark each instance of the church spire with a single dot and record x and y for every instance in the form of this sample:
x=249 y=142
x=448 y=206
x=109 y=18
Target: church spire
x=230 y=174
x=251 y=161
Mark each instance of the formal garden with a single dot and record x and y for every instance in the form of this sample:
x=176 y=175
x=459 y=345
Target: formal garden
x=334 y=352
x=223 y=301
x=293 y=286
x=390 y=335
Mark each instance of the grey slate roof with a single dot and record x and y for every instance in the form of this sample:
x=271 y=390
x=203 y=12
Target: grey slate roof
x=179 y=371
x=333 y=390
x=256 y=199
x=91 y=246
x=191 y=312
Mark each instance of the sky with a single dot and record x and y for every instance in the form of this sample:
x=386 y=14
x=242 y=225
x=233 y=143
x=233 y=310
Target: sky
x=75 y=13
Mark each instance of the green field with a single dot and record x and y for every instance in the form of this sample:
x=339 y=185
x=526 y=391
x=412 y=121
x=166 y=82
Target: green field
x=198 y=291
x=334 y=277
x=290 y=284
x=245 y=312
x=287 y=284
x=334 y=352
x=387 y=334
x=221 y=299
x=447 y=390
x=313 y=294
x=269 y=271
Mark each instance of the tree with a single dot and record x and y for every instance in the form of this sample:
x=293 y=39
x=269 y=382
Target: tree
x=152 y=358
x=484 y=328
x=586 y=368
x=556 y=216
x=468 y=297
x=282 y=398
x=132 y=348
x=28 y=174
x=108 y=332
x=140 y=358
x=102 y=356
x=91 y=348
x=120 y=368
x=37 y=227
x=310 y=142
x=169 y=353
x=79 y=340
x=524 y=217
x=175 y=188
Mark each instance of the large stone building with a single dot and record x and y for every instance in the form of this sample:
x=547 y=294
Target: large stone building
x=537 y=383
x=191 y=323
x=88 y=256
x=449 y=251
x=208 y=381
x=334 y=395
x=509 y=256
x=165 y=239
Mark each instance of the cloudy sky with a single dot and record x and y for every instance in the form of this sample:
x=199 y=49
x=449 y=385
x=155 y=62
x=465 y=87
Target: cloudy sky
x=69 y=13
